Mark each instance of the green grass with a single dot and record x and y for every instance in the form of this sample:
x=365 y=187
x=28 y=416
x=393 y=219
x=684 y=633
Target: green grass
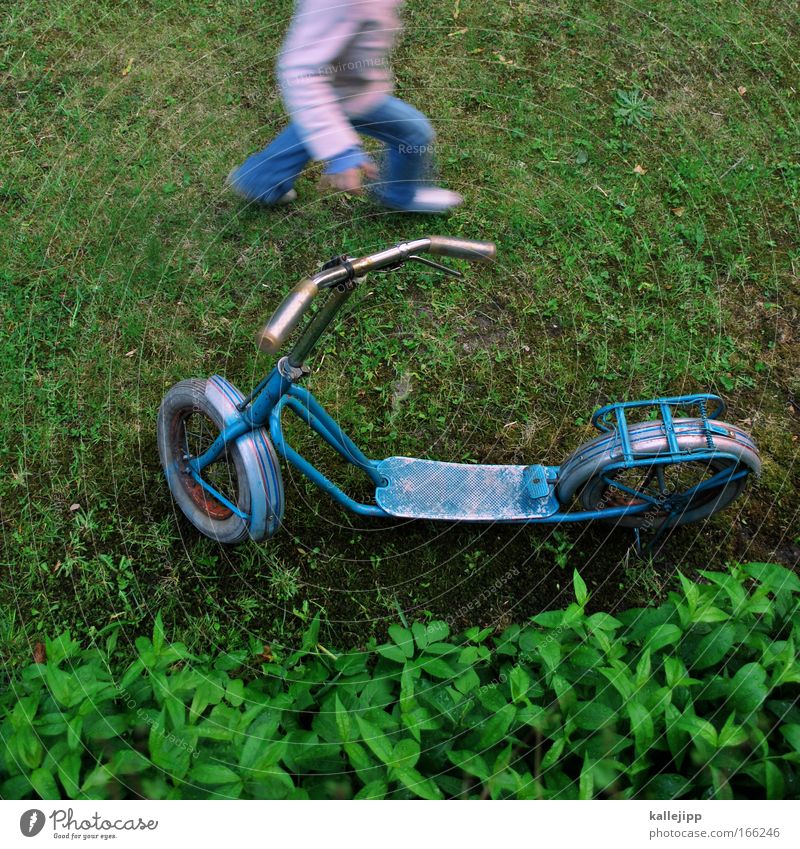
x=124 y=268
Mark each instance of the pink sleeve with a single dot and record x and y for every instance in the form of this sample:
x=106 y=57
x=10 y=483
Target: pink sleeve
x=320 y=31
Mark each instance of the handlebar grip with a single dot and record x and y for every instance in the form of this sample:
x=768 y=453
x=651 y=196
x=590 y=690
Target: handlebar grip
x=463 y=248
x=284 y=320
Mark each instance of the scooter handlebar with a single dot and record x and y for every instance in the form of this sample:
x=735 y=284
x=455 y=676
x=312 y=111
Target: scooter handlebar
x=287 y=316
x=284 y=320
x=463 y=248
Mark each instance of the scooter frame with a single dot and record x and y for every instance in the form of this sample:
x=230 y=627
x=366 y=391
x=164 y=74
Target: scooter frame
x=261 y=412
x=268 y=409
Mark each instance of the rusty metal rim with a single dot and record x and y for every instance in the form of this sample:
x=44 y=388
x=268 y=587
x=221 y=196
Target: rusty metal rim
x=203 y=500
x=626 y=500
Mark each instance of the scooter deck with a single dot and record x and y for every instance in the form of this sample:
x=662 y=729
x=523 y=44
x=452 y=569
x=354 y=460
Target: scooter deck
x=429 y=489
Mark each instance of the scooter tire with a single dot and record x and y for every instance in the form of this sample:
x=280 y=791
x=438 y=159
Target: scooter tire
x=586 y=473
x=253 y=472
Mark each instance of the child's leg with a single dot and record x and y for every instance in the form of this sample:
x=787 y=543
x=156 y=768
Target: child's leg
x=267 y=176
x=409 y=137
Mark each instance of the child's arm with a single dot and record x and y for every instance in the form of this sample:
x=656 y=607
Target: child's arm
x=320 y=32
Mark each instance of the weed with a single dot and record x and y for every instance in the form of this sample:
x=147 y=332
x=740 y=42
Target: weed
x=633 y=108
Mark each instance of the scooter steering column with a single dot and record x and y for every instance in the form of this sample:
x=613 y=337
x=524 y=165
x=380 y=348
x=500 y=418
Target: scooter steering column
x=319 y=324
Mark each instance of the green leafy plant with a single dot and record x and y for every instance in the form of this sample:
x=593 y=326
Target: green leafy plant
x=633 y=108
x=696 y=697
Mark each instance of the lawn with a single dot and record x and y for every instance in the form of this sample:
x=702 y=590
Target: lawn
x=639 y=167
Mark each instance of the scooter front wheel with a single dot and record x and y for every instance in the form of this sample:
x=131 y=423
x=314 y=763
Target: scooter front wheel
x=678 y=490
x=246 y=476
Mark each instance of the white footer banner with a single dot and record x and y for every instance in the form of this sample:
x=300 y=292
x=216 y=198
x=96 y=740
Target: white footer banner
x=386 y=825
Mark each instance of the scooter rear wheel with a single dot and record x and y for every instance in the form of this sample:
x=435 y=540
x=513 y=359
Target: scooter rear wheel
x=587 y=474
x=247 y=475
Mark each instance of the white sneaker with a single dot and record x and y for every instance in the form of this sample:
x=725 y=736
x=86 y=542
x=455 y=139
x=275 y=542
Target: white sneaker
x=433 y=199
x=290 y=196
x=230 y=184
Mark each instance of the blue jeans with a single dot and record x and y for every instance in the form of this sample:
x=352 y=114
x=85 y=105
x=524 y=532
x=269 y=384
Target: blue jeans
x=267 y=176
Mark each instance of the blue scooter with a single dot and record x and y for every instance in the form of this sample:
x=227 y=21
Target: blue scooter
x=220 y=450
